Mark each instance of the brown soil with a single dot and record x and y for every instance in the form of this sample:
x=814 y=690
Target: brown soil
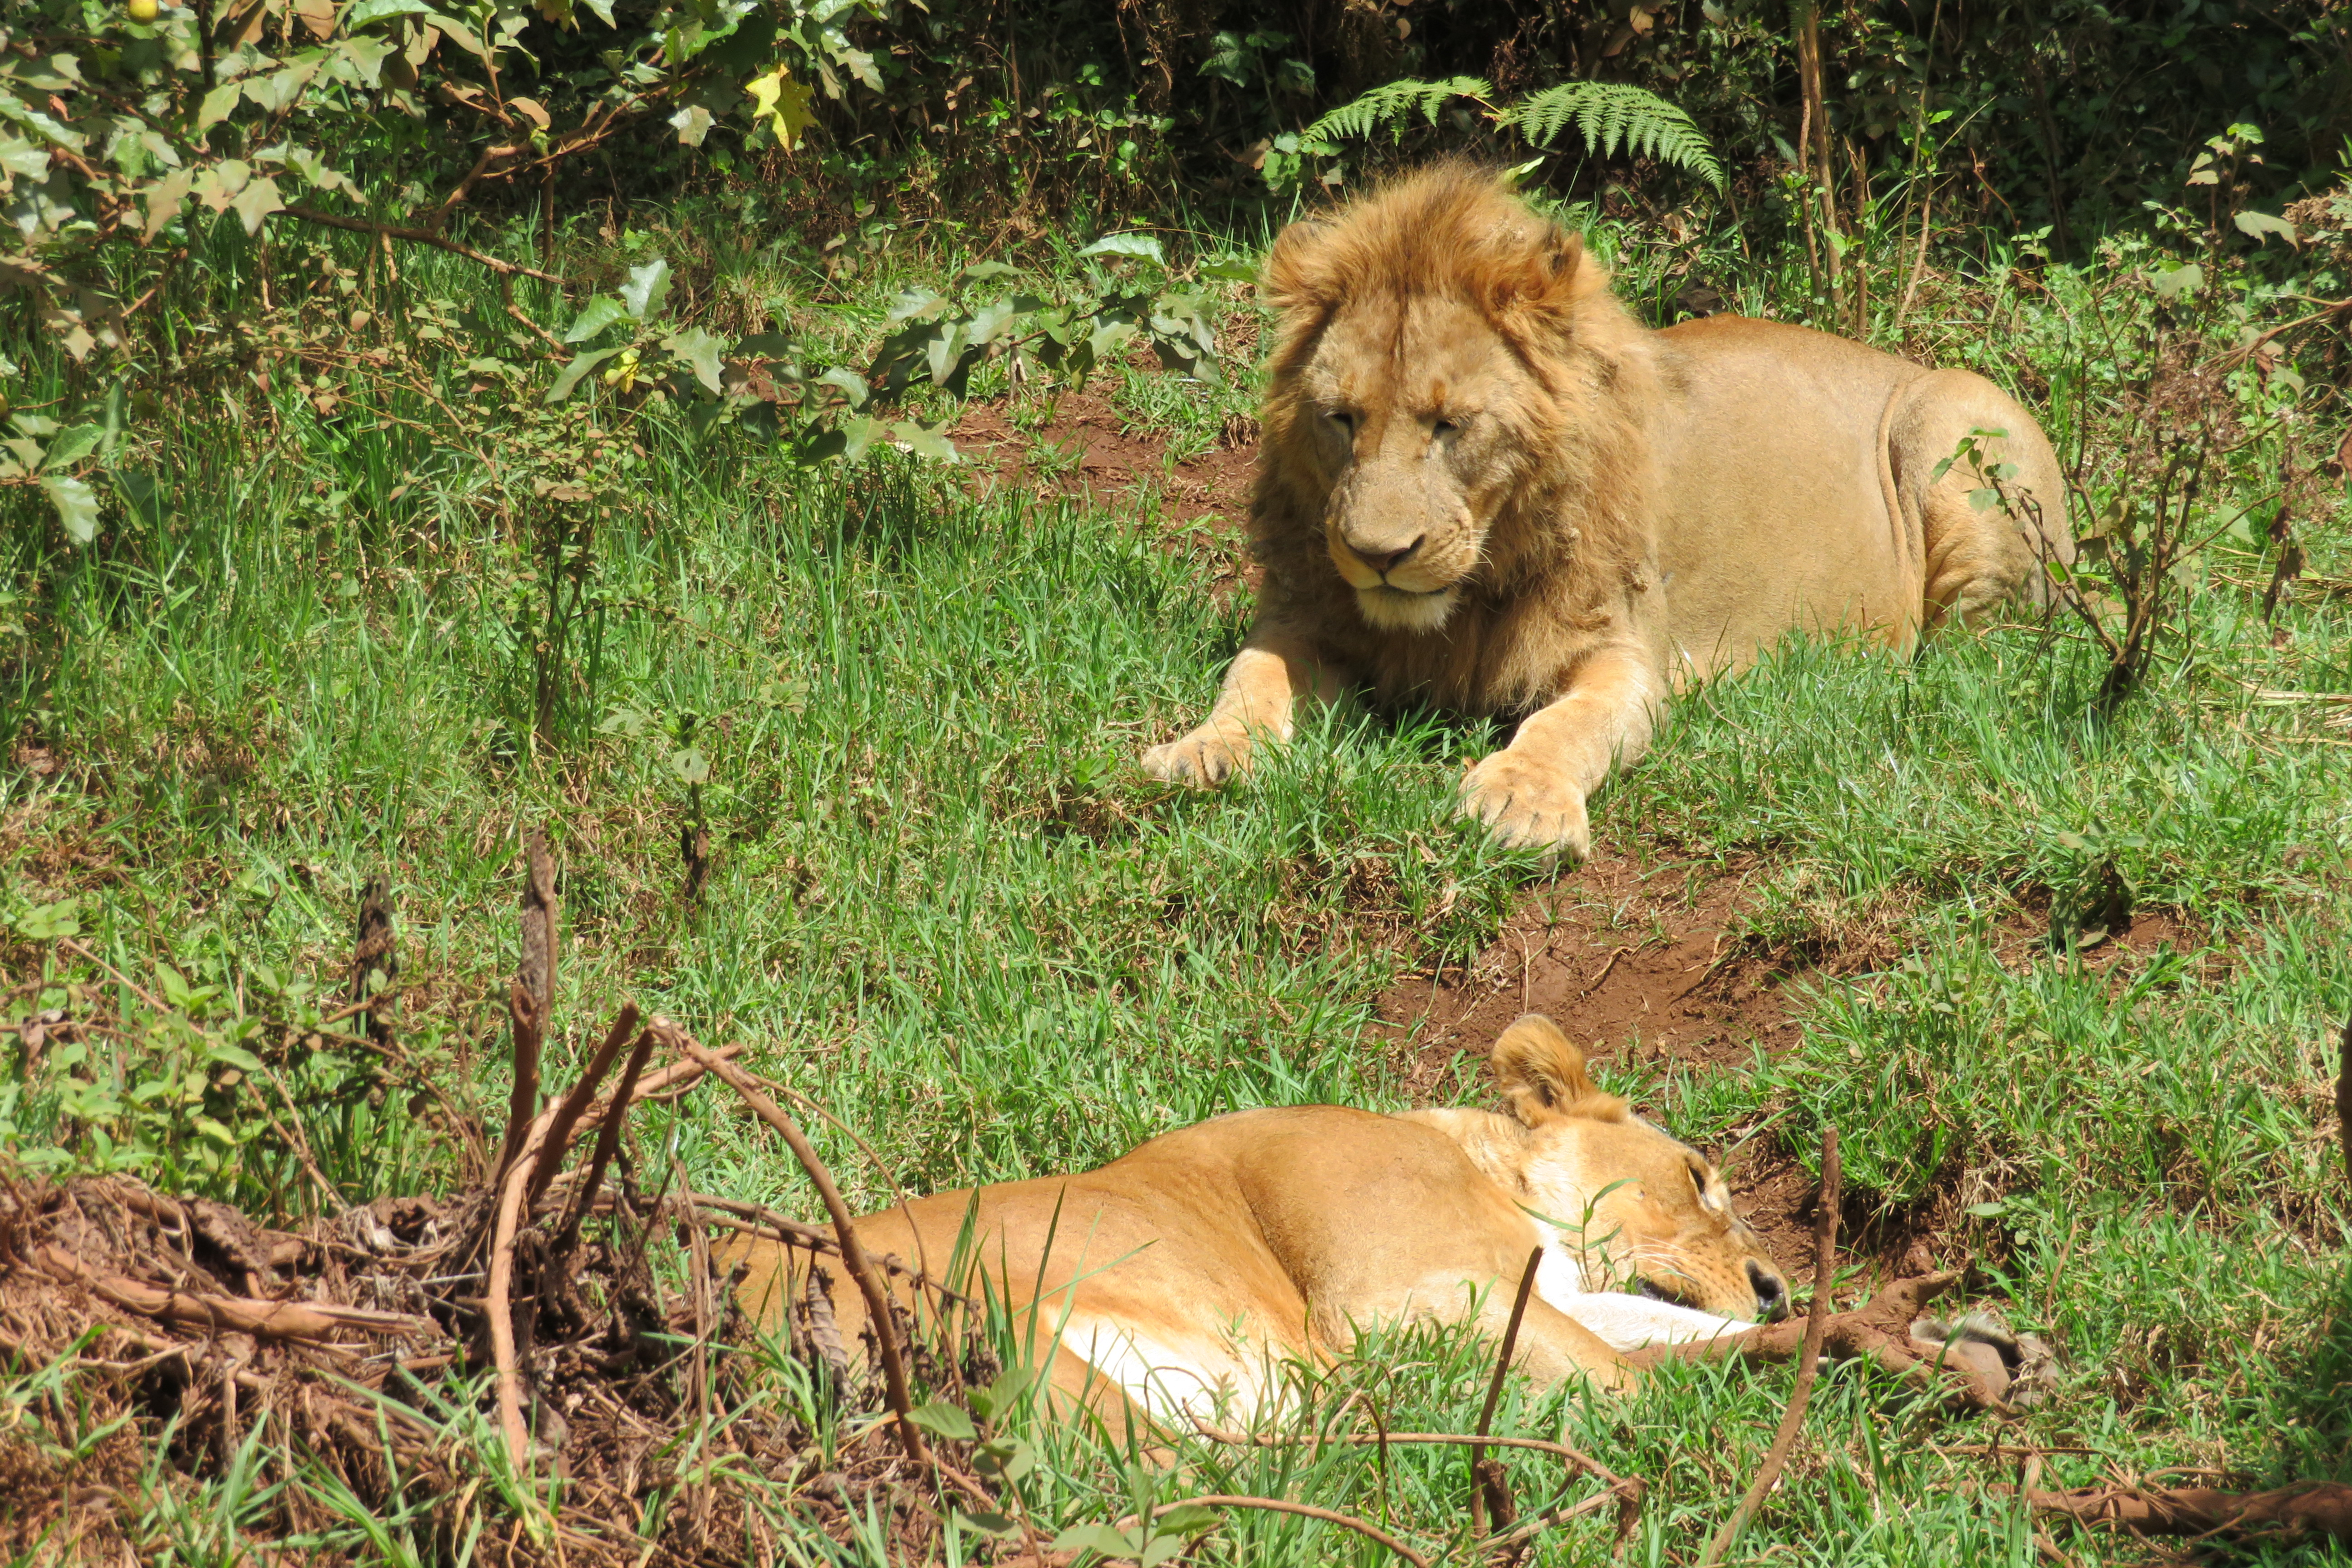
x=1636 y=964
x=1088 y=449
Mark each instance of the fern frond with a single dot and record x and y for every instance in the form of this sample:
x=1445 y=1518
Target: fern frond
x=1611 y=114
x=1389 y=107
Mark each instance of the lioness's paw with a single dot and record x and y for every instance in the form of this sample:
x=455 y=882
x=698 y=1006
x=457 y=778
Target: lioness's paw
x=1205 y=758
x=1528 y=804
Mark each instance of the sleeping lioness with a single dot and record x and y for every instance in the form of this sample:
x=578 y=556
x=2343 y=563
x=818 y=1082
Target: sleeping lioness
x=1483 y=484
x=1177 y=1276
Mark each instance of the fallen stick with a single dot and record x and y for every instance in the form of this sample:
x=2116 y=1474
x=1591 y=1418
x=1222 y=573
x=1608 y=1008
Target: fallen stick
x=1279 y=1505
x=1809 y=1360
x=2323 y=1508
x=1628 y=1490
x=1483 y=1482
x=752 y=1219
x=308 y=1321
x=669 y=1082
x=852 y=1254
x=1878 y=1330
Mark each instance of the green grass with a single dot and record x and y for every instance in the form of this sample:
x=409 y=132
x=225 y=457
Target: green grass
x=946 y=905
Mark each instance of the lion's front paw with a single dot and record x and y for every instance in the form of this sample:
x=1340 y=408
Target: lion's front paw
x=1528 y=804
x=1207 y=757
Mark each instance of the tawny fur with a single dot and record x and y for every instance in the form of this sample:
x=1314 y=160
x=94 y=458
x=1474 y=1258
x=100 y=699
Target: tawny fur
x=1186 y=1271
x=1483 y=484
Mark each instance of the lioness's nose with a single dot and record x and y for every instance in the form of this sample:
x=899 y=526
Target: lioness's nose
x=1387 y=561
x=1771 y=1291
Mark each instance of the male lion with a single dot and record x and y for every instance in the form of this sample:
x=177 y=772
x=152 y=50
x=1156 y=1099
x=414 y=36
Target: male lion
x=1181 y=1273
x=1482 y=483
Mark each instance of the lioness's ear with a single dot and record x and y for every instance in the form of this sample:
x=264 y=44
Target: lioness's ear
x=1299 y=270
x=1542 y=1074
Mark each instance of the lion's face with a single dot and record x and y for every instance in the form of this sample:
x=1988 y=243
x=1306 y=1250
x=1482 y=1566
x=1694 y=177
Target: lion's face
x=1412 y=409
x=1643 y=1207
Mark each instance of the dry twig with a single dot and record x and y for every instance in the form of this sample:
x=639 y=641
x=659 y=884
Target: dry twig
x=1305 y=1510
x=853 y=1257
x=1809 y=1360
x=2322 y=1508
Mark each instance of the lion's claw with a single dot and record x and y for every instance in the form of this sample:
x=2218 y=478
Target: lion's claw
x=1528 y=804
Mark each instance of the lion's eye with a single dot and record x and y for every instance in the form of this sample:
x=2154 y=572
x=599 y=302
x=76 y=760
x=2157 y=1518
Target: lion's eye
x=1445 y=427
x=1344 y=419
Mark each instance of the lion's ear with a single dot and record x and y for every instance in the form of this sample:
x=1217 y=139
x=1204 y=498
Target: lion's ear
x=1542 y=1074
x=1300 y=271
x=1546 y=278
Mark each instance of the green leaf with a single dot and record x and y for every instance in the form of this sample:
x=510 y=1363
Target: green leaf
x=1005 y=1458
x=1142 y=244
x=647 y=287
x=363 y=12
x=1192 y=1518
x=49 y=922
x=699 y=352
x=595 y=316
x=2261 y=226
x=216 y=106
x=1099 y=1538
x=77 y=506
x=580 y=365
x=73 y=446
x=989 y=1523
x=1987 y=1211
x=925 y=441
x=237 y=1057
x=850 y=381
x=944 y=1421
x=257 y=201
x=2178 y=281
x=1233 y=268
x=691 y=767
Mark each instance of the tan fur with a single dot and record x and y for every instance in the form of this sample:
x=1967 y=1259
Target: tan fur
x=1483 y=484
x=1206 y=1253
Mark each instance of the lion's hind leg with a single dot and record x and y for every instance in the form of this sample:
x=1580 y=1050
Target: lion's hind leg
x=1985 y=528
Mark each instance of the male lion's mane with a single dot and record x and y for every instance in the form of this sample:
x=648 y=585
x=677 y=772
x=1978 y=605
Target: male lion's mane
x=1570 y=540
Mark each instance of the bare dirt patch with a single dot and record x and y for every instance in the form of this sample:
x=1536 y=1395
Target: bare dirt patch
x=1089 y=450
x=1636 y=963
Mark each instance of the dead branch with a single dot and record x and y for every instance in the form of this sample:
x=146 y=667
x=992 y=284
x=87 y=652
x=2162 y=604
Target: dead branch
x=376 y=951
x=1489 y=1490
x=1628 y=1490
x=2344 y=1095
x=1305 y=1510
x=497 y=1292
x=567 y=1115
x=236 y=1314
x=2322 y=1508
x=1878 y=1330
x=419 y=236
x=754 y=1219
x=1809 y=1360
x=608 y=1141
x=530 y=997
x=852 y=1254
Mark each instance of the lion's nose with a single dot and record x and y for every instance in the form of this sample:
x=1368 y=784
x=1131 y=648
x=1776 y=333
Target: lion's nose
x=1387 y=561
x=1771 y=1291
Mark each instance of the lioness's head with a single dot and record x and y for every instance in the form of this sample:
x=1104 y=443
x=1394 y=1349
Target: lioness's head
x=1642 y=1205
x=1441 y=345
